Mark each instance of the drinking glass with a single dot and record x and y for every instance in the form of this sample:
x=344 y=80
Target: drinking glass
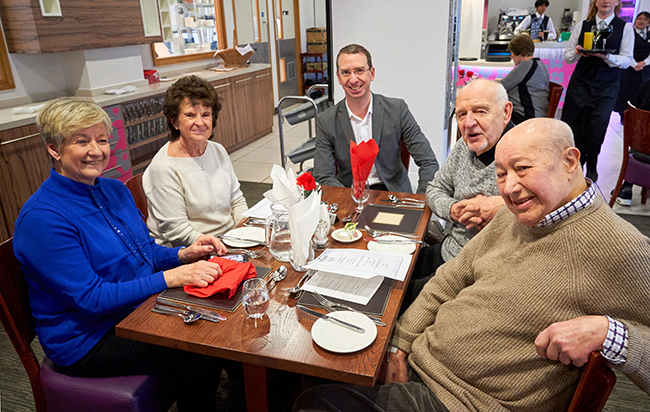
x=360 y=194
x=255 y=298
x=605 y=33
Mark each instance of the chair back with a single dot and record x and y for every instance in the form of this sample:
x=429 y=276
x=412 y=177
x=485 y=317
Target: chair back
x=405 y=155
x=636 y=134
x=554 y=95
x=596 y=383
x=134 y=184
x=17 y=319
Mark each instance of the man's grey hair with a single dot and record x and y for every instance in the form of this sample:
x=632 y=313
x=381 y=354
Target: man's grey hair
x=499 y=92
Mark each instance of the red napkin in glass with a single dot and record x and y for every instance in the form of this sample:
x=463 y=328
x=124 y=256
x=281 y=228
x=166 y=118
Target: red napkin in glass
x=234 y=273
x=362 y=157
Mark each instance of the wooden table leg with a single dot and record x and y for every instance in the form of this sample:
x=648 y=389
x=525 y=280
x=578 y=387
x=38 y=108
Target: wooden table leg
x=255 y=383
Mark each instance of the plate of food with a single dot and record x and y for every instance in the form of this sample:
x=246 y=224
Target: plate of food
x=346 y=236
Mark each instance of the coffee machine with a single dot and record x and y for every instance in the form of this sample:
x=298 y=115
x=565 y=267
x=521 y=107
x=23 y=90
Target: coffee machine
x=508 y=20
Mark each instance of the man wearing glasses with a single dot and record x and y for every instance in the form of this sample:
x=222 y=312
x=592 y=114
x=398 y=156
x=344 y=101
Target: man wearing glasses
x=362 y=116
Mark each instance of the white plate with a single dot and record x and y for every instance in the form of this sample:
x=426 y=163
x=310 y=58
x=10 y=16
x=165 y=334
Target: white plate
x=399 y=248
x=336 y=338
x=335 y=236
x=256 y=233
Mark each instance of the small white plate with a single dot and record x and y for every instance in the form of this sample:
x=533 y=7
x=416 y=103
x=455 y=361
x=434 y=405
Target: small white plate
x=337 y=232
x=256 y=233
x=405 y=248
x=336 y=338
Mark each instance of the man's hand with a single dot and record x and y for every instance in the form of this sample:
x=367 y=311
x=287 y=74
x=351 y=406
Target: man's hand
x=572 y=341
x=639 y=66
x=476 y=212
x=396 y=368
x=204 y=245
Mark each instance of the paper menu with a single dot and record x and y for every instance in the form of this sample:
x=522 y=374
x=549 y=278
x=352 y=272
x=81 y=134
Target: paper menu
x=352 y=289
x=362 y=263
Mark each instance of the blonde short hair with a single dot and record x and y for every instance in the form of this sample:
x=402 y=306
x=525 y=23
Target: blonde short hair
x=65 y=116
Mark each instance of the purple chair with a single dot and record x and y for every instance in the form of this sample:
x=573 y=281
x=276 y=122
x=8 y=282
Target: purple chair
x=54 y=391
x=636 y=136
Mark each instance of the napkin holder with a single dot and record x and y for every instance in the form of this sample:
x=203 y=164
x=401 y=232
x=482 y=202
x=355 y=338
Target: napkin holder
x=232 y=58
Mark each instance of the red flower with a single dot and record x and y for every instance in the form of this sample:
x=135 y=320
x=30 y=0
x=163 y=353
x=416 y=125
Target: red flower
x=461 y=72
x=470 y=74
x=306 y=181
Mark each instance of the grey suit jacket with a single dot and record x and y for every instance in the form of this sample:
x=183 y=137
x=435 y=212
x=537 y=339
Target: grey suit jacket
x=392 y=123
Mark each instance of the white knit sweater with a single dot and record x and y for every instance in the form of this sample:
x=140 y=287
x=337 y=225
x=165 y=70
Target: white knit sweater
x=190 y=196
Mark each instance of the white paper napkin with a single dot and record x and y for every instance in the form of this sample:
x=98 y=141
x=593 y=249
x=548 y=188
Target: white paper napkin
x=27 y=109
x=285 y=189
x=125 y=89
x=303 y=219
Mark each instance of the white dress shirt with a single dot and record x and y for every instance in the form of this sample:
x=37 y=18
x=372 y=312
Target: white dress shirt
x=362 y=129
x=552 y=35
x=622 y=60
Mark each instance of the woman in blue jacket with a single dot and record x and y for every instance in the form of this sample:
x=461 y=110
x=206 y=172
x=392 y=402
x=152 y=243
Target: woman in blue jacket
x=89 y=260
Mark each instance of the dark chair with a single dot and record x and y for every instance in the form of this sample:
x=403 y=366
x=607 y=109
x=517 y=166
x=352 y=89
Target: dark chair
x=636 y=136
x=554 y=95
x=596 y=383
x=134 y=184
x=54 y=391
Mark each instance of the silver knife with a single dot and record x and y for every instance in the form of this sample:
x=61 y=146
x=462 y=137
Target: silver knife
x=417 y=206
x=395 y=240
x=159 y=308
x=403 y=203
x=332 y=319
x=202 y=311
x=241 y=239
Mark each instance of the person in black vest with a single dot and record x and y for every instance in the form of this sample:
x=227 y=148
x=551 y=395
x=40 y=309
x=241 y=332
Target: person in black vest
x=538 y=22
x=527 y=83
x=593 y=87
x=638 y=73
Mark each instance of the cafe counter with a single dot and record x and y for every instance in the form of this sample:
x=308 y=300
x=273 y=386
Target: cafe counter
x=550 y=53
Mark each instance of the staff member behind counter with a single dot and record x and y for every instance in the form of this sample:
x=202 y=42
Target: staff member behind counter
x=538 y=22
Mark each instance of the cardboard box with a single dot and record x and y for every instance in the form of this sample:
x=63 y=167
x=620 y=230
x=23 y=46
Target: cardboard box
x=320 y=66
x=316 y=47
x=316 y=35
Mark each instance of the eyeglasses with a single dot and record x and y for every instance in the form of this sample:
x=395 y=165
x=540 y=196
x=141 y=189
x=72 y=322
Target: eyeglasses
x=357 y=72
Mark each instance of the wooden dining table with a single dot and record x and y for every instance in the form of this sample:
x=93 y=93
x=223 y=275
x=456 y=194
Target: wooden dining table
x=282 y=339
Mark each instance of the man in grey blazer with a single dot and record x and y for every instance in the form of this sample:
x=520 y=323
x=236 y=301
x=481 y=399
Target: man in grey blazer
x=362 y=116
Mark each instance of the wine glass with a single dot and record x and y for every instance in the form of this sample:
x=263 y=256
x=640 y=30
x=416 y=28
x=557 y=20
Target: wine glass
x=596 y=36
x=360 y=193
x=605 y=33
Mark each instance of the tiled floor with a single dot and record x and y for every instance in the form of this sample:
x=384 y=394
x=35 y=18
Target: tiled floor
x=253 y=163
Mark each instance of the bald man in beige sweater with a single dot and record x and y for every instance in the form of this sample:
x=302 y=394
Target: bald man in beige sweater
x=507 y=324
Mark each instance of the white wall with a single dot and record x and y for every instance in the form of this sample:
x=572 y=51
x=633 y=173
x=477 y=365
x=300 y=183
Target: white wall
x=408 y=43
x=644 y=5
x=244 y=14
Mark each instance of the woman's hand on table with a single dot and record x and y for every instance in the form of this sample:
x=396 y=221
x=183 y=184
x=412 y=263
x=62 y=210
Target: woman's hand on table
x=202 y=246
x=201 y=273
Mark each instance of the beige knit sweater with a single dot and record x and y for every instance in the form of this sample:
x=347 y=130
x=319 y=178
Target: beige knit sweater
x=471 y=332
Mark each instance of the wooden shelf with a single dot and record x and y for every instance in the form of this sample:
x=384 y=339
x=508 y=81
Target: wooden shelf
x=148 y=141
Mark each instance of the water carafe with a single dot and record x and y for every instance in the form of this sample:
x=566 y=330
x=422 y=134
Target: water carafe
x=278 y=237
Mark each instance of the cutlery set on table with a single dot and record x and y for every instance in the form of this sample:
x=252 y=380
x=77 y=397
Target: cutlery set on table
x=343 y=329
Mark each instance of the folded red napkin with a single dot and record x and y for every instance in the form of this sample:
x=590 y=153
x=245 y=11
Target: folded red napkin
x=234 y=273
x=362 y=157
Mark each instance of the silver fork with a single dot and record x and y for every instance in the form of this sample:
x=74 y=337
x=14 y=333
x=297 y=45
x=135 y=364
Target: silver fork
x=331 y=307
x=251 y=253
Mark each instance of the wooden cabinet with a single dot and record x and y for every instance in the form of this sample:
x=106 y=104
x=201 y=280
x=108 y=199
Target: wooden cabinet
x=253 y=105
x=24 y=165
x=84 y=24
x=224 y=132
